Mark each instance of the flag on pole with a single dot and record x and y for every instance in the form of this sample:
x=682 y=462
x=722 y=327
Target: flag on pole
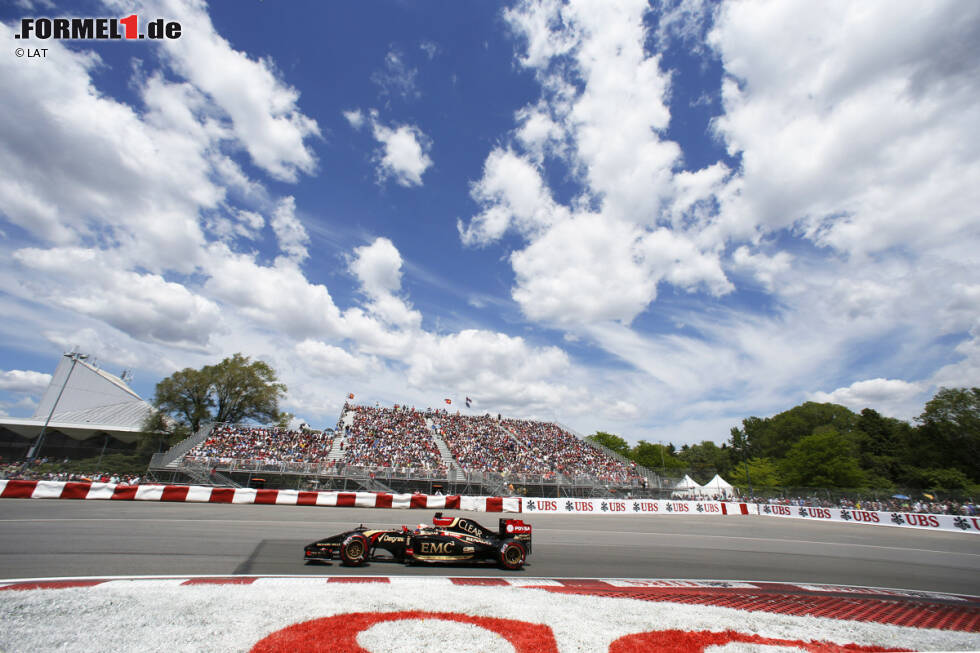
x=449 y=401
x=468 y=402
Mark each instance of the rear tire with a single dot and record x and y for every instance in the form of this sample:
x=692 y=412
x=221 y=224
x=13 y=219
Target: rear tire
x=354 y=550
x=512 y=555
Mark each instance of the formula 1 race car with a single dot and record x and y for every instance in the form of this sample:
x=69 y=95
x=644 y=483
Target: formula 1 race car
x=447 y=540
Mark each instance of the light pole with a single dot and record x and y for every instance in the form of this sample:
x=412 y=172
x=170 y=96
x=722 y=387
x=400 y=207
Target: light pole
x=740 y=441
x=32 y=454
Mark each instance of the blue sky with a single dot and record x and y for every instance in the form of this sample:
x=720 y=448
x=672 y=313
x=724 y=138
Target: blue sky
x=653 y=219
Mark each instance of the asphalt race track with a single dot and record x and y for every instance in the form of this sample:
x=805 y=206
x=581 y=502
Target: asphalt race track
x=63 y=538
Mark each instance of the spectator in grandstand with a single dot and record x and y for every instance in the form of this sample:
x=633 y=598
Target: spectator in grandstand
x=262 y=444
x=391 y=437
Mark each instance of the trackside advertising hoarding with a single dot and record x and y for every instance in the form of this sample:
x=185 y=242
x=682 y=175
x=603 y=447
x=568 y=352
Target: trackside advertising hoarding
x=959 y=523
x=632 y=506
x=644 y=507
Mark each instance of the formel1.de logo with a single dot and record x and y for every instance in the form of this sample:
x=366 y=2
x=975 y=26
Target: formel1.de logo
x=97 y=29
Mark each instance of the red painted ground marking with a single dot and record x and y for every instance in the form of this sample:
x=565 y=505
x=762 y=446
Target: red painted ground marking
x=680 y=641
x=483 y=582
x=357 y=579
x=52 y=585
x=338 y=634
x=586 y=584
x=243 y=580
x=913 y=612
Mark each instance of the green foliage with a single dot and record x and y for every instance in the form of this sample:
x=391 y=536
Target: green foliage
x=610 y=441
x=773 y=437
x=126 y=464
x=936 y=478
x=655 y=456
x=234 y=390
x=763 y=473
x=706 y=459
x=949 y=431
x=185 y=396
x=824 y=459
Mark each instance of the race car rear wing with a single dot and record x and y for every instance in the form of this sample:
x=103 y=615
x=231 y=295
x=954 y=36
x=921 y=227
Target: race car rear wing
x=516 y=529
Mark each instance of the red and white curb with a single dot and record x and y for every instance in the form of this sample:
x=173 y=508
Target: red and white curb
x=21 y=489
x=404 y=613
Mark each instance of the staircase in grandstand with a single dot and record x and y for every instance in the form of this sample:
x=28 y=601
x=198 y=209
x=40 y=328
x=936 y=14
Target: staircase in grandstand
x=336 y=453
x=447 y=456
x=172 y=458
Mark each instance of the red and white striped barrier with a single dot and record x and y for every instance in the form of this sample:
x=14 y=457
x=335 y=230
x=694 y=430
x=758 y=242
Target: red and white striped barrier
x=19 y=489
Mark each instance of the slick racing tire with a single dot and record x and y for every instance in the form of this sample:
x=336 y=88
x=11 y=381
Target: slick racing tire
x=354 y=551
x=512 y=555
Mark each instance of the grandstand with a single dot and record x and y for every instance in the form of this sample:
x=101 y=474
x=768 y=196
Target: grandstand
x=402 y=449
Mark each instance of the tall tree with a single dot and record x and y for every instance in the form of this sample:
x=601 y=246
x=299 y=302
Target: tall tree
x=185 y=396
x=245 y=389
x=706 y=460
x=763 y=473
x=949 y=431
x=772 y=437
x=823 y=459
x=234 y=390
x=655 y=456
x=610 y=441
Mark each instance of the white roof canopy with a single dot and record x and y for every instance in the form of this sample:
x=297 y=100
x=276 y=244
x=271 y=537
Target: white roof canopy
x=93 y=402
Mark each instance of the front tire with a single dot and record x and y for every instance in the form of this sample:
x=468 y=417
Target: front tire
x=512 y=555
x=354 y=551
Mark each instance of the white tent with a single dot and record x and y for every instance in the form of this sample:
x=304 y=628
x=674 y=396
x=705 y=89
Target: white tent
x=686 y=487
x=717 y=486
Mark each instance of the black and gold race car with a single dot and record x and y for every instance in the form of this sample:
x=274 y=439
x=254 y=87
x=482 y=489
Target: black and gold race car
x=447 y=540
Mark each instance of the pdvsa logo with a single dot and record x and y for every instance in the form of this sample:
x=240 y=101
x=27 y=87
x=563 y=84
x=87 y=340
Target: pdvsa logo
x=98 y=29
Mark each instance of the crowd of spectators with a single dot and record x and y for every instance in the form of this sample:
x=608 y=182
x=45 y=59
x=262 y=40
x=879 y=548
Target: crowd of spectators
x=555 y=450
x=480 y=444
x=21 y=470
x=261 y=445
x=395 y=437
